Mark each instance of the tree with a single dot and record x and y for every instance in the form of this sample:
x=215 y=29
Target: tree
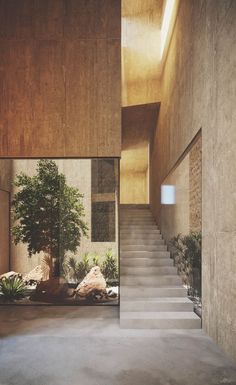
x=48 y=214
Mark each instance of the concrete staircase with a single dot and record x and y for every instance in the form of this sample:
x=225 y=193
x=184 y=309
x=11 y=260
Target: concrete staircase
x=151 y=293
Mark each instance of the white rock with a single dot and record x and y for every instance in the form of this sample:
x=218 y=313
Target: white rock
x=94 y=281
x=35 y=275
x=10 y=274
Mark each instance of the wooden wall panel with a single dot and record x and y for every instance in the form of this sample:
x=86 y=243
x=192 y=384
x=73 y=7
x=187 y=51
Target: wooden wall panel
x=60 y=78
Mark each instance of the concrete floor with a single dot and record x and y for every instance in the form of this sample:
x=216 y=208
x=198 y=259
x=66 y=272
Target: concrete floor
x=85 y=346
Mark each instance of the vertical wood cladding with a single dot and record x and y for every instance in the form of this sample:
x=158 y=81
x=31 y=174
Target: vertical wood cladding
x=60 y=78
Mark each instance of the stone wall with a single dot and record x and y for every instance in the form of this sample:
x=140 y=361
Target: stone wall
x=175 y=218
x=195 y=186
x=198 y=91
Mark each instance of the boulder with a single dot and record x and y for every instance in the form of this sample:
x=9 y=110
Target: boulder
x=93 y=282
x=34 y=276
x=111 y=293
x=10 y=274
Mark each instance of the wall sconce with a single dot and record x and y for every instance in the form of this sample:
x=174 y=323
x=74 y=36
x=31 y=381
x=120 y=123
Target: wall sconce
x=168 y=195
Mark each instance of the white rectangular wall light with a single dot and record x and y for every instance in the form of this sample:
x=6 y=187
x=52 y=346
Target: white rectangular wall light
x=168 y=195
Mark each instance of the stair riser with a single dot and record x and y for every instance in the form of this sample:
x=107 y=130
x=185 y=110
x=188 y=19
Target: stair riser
x=160 y=324
x=161 y=280
x=146 y=262
x=148 y=270
x=139 y=241
x=152 y=306
x=133 y=221
x=139 y=227
x=140 y=232
x=161 y=246
x=139 y=237
x=145 y=254
x=147 y=292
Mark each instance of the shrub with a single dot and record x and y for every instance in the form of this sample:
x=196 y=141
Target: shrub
x=186 y=252
x=77 y=270
x=12 y=288
x=109 y=266
x=96 y=260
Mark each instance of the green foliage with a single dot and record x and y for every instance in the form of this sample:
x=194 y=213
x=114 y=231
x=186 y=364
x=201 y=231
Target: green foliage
x=186 y=252
x=95 y=260
x=12 y=288
x=109 y=266
x=77 y=270
x=48 y=214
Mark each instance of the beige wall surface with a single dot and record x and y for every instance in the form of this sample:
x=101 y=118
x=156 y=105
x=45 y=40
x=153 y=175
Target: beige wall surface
x=78 y=174
x=5 y=174
x=4 y=231
x=175 y=218
x=5 y=188
x=133 y=188
x=198 y=91
x=60 y=78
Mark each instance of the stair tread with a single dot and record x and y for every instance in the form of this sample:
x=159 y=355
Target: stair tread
x=172 y=287
x=159 y=299
x=158 y=315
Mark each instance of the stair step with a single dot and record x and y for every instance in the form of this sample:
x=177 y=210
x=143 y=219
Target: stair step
x=136 y=270
x=145 y=262
x=159 y=320
x=136 y=217
x=140 y=241
x=151 y=280
x=145 y=254
x=140 y=226
x=139 y=236
x=139 y=232
x=137 y=221
x=159 y=247
x=147 y=292
x=157 y=304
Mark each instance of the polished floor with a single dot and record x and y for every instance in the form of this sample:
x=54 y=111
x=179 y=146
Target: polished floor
x=85 y=346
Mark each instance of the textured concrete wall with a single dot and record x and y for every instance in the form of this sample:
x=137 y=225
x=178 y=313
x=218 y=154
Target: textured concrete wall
x=5 y=188
x=4 y=231
x=78 y=174
x=198 y=91
x=175 y=218
x=5 y=174
x=60 y=78
x=195 y=186
x=133 y=187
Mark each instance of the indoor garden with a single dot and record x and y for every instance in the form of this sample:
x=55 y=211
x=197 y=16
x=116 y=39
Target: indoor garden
x=58 y=233
x=186 y=252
